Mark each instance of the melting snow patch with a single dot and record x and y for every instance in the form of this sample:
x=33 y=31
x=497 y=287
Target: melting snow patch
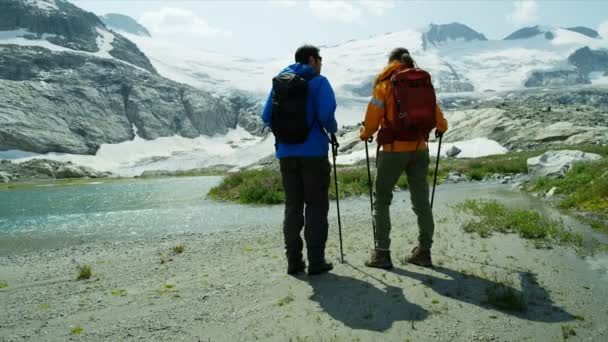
x=46 y=5
x=104 y=43
x=478 y=147
x=131 y=158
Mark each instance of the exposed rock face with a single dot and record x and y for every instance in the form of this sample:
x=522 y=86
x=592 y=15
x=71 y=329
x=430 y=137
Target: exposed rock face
x=67 y=102
x=66 y=25
x=587 y=60
x=44 y=169
x=119 y=22
x=69 y=26
x=527 y=121
x=556 y=163
x=438 y=34
x=556 y=78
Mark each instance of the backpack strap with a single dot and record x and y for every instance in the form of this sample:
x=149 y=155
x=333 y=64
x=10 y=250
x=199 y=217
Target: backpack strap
x=315 y=115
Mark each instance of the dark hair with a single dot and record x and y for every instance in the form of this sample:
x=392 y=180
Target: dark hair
x=306 y=51
x=402 y=55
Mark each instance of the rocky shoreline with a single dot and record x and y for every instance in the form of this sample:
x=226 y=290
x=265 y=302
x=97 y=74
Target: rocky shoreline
x=45 y=169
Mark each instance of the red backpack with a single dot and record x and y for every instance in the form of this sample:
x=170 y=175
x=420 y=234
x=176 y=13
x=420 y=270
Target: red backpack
x=415 y=103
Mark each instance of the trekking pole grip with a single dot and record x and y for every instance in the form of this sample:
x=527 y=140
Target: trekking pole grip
x=334 y=140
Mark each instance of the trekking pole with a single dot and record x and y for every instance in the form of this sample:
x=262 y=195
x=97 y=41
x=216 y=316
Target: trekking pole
x=369 y=184
x=436 y=167
x=334 y=152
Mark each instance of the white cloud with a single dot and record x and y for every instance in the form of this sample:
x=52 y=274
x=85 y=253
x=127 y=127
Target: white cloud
x=343 y=11
x=603 y=29
x=378 y=7
x=524 y=12
x=172 y=21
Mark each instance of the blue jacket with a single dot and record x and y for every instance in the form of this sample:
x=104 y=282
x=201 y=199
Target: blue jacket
x=320 y=103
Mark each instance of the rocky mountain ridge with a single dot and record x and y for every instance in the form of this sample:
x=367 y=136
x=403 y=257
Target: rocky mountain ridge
x=119 y=22
x=72 y=100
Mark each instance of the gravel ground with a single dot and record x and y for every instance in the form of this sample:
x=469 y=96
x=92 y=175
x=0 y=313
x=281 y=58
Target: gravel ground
x=232 y=286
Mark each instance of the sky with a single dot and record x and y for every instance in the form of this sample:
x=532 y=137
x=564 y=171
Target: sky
x=275 y=28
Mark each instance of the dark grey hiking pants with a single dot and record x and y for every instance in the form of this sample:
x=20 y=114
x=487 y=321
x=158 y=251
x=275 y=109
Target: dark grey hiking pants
x=391 y=165
x=306 y=184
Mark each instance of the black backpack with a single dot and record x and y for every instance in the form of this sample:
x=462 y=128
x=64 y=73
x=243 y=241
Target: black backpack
x=289 y=123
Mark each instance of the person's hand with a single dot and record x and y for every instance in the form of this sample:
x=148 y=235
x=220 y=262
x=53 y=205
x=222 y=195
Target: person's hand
x=334 y=140
x=362 y=132
x=438 y=133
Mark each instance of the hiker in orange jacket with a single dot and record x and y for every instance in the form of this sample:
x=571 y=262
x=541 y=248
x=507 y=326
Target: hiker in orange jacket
x=411 y=157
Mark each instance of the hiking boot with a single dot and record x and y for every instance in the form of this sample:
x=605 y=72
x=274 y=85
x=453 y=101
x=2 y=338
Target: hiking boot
x=295 y=267
x=381 y=258
x=318 y=268
x=420 y=257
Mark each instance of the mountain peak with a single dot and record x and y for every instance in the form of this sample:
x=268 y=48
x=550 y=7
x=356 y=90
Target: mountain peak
x=120 y=22
x=66 y=26
x=529 y=32
x=584 y=31
x=438 y=34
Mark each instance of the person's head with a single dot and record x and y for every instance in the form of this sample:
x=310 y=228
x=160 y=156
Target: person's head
x=402 y=55
x=309 y=54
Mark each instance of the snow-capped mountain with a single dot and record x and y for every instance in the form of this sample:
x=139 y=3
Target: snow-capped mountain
x=438 y=34
x=69 y=84
x=97 y=84
x=459 y=59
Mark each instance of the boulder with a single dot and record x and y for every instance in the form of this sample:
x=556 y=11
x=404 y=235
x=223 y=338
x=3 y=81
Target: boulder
x=455 y=177
x=4 y=177
x=39 y=166
x=69 y=171
x=555 y=164
x=453 y=151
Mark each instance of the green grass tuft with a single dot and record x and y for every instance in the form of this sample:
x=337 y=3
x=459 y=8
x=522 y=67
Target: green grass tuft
x=179 y=249
x=495 y=217
x=249 y=187
x=266 y=187
x=584 y=187
x=3 y=285
x=285 y=300
x=121 y=293
x=567 y=331
x=84 y=272
x=77 y=330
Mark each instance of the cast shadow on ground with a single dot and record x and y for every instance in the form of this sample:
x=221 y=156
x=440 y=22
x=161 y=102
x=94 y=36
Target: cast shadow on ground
x=472 y=289
x=361 y=305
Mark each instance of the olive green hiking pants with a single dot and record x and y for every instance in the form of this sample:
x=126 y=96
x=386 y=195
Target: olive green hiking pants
x=391 y=165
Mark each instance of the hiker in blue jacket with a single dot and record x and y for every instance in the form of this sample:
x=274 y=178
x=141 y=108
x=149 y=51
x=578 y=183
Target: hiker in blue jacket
x=305 y=169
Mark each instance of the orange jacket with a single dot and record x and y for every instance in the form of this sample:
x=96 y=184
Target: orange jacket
x=382 y=100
